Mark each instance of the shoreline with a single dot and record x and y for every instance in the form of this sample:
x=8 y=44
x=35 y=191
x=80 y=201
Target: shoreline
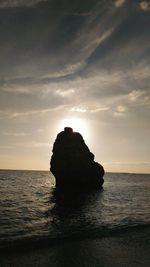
x=126 y=248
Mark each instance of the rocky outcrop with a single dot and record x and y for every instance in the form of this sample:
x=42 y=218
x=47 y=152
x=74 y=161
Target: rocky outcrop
x=73 y=164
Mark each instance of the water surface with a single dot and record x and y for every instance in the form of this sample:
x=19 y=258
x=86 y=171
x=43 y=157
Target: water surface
x=31 y=209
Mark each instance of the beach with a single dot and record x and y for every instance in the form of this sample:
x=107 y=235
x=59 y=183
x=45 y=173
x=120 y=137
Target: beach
x=129 y=248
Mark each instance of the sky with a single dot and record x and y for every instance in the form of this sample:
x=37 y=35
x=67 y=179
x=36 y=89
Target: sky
x=84 y=64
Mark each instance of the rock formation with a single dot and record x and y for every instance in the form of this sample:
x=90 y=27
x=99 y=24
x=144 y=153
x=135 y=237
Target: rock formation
x=73 y=164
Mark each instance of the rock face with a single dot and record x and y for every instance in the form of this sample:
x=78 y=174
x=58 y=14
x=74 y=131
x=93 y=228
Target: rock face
x=73 y=164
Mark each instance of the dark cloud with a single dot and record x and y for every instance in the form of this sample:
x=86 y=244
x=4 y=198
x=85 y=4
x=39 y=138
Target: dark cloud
x=18 y=3
x=35 y=39
x=127 y=45
x=48 y=38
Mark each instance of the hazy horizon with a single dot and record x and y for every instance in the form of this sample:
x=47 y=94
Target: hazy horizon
x=84 y=64
x=39 y=170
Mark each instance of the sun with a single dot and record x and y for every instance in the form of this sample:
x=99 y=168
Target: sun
x=77 y=124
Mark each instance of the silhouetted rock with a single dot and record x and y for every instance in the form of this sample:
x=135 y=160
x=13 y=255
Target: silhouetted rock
x=73 y=164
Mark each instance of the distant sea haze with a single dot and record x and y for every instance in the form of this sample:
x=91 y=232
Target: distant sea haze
x=30 y=208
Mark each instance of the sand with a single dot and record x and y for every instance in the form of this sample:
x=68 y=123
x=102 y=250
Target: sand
x=130 y=248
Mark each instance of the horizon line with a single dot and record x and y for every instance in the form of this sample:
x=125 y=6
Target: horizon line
x=1 y=169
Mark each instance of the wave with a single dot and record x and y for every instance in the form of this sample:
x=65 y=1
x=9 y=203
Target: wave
x=45 y=241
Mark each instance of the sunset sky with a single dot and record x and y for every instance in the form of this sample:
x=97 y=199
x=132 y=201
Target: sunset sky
x=84 y=63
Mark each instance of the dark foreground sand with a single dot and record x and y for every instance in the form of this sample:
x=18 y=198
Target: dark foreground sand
x=131 y=248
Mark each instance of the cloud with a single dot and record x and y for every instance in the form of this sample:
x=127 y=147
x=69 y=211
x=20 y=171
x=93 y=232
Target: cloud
x=99 y=109
x=65 y=93
x=119 y=3
x=66 y=71
x=139 y=98
x=96 y=92
x=31 y=113
x=83 y=93
x=19 y=3
x=98 y=62
x=19 y=134
x=79 y=109
x=82 y=14
x=51 y=54
x=120 y=110
x=135 y=95
x=52 y=45
x=145 y=5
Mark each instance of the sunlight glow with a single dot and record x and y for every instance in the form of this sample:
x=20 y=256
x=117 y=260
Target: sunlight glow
x=78 y=125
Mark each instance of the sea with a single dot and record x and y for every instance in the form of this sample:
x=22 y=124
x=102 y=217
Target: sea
x=31 y=209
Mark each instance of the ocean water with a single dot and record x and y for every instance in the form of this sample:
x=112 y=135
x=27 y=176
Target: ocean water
x=31 y=209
